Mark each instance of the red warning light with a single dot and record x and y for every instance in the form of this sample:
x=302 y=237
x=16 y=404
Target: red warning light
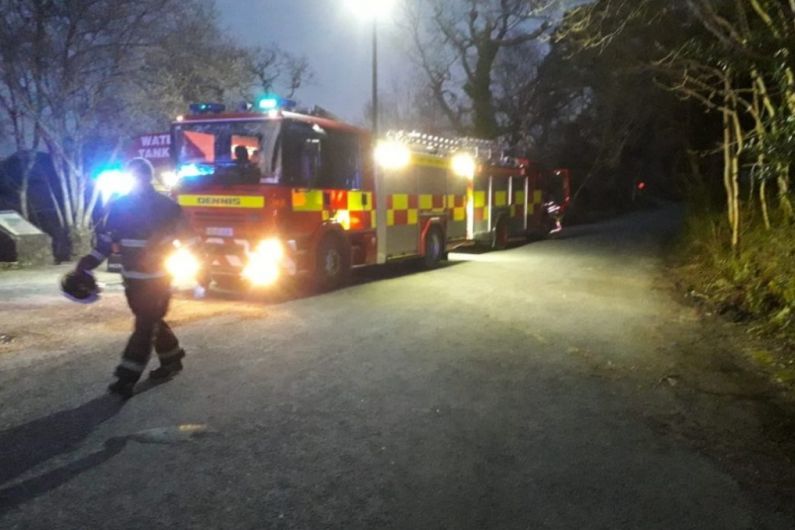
x=641 y=185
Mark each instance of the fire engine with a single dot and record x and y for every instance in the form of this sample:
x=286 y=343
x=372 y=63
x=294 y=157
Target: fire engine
x=505 y=198
x=274 y=192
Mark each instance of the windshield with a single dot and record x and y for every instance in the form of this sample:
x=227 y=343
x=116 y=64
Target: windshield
x=229 y=153
x=286 y=152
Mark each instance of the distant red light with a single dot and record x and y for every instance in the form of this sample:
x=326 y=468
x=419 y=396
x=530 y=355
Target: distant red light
x=641 y=185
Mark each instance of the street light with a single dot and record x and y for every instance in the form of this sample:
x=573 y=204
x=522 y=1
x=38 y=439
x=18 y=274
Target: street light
x=372 y=10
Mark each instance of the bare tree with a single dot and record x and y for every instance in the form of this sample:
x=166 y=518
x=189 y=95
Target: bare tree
x=80 y=75
x=459 y=44
x=276 y=69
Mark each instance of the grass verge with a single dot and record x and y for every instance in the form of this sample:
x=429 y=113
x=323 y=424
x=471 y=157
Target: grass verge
x=754 y=285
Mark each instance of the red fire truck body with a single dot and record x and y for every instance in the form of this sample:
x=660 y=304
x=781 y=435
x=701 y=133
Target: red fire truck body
x=284 y=193
x=506 y=198
x=305 y=184
x=516 y=201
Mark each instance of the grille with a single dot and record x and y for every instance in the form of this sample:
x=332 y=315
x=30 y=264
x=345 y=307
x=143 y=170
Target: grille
x=226 y=219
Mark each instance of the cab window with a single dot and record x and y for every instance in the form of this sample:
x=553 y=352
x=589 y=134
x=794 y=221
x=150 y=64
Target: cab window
x=315 y=157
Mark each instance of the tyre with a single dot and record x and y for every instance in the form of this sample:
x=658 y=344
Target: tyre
x=434 y=248
x=499 y=239
x=332 y=264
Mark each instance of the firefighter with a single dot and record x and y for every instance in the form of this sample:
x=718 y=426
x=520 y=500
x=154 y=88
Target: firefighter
x=246 y=171
x=142 y=226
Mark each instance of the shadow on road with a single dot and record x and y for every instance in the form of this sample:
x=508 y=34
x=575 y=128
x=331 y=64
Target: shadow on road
x=26 y=446
x=13 y=496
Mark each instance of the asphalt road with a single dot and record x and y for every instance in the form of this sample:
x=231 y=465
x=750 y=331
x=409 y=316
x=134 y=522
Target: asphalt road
x=514 y=389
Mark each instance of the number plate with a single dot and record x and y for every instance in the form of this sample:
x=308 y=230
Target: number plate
x=220 y=231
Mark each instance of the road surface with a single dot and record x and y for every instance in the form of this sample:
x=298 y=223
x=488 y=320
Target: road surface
x=554 y=385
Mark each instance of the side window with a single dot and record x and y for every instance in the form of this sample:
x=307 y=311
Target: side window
x=301 y=155
x=342 y=164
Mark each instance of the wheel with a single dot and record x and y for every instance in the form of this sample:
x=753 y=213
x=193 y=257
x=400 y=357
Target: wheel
x=434 y=248
x=499 y=240
x=332 y=264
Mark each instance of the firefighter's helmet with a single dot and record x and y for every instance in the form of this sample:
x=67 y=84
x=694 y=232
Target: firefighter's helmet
x=80 y=287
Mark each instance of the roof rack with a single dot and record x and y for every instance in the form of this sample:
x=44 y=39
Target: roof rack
x=489 y=150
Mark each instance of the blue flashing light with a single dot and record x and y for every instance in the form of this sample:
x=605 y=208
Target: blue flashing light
x=271 y=103
x=193 y=170
x=268 y=103
x=207 y=108
x=113 y=182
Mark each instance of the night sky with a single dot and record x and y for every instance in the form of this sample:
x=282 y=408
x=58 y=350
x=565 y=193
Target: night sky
x=336 y=43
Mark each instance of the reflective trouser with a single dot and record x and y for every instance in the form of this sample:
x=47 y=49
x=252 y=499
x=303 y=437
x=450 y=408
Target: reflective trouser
x=148 y=300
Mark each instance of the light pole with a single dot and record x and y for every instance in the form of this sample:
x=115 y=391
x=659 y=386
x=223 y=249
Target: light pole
x=375 y=77
x=372 y=10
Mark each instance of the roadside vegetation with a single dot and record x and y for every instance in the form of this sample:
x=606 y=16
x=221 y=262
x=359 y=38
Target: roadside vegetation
x=716 y=81
x=645 y=100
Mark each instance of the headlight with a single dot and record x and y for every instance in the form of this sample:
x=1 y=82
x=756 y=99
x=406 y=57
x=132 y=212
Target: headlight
x=263 y=264
x=183 y=267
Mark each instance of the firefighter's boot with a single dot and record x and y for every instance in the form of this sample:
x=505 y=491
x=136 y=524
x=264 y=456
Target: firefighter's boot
x=122 y=388
x=166 y=371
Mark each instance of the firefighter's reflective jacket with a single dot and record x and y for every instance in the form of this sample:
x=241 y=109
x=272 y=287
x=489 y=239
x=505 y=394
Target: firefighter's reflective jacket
x=141 y=227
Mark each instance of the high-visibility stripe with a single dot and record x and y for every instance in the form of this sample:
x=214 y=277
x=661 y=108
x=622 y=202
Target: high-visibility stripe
x=412 y=216
x=480 y=199
x=222 y=201
x=133 y=243
x=459 y=214
x=538 y=196
x=400 y=201
x=360 y=201
x=98 y=255
x=170 y=354
x=136 y=275
x=500 y=198
x=132 y=366
x=307 y=200
x=426 y=202
x=390 y=217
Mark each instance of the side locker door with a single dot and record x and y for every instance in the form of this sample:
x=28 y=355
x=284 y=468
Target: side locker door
x=516 y=199
x=402 y=214
x=478 y=207
x=431 y=191
x=456 y=205
x=534 y=198
x=500 y=209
